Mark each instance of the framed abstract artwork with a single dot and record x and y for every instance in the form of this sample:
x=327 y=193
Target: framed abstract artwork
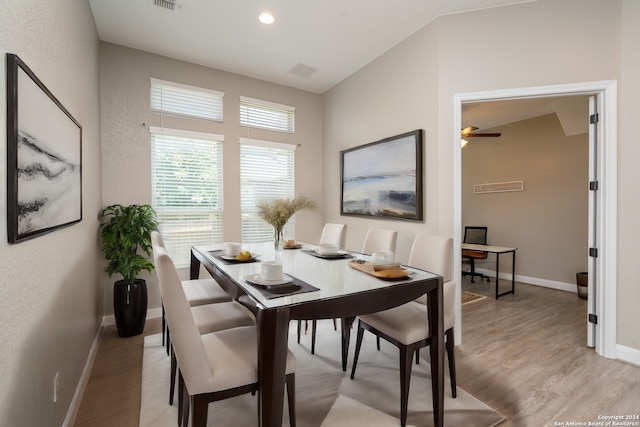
x=384 y=178
x=44 y=157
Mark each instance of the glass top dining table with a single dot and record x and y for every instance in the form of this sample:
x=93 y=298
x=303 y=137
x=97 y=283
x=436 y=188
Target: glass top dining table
x=323 y=288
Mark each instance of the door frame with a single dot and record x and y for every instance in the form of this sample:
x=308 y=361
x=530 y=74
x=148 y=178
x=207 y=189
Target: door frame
x=606 y=221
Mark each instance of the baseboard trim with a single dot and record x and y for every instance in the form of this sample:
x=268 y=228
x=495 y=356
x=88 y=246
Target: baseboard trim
x=536 y=281
x=628 y=354
x=151 y=314
x=74 y=407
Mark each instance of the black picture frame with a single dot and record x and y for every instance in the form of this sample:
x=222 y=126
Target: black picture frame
x=44 y=157
x=383 y=179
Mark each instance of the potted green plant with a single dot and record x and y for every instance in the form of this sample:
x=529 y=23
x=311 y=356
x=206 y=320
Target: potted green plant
x=126 y=244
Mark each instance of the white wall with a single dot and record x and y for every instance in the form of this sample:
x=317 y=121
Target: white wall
x=534 y=44
x=396 y=93
x=126 y=117
x=50 y=293
x=628 y=177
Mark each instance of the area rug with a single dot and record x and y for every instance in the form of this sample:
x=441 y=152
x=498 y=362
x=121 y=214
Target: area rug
x=468 y=297
x=325 y=396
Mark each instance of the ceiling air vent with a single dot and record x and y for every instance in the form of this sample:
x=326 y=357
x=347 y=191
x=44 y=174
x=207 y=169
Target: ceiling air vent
x=303 y=70
x=166 y=4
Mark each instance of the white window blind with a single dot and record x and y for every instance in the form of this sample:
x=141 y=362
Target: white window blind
x=256 y=113
x=266 y=173
x=187 y=189
x=187 y=101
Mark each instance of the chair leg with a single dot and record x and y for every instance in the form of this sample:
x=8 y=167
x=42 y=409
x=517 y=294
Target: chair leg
x=472 y=272
x=406 y=360
x=335 y=324
x=291 y=398
x=452 y=360
x=358 y=344
x=378 y=342
x=417 y=356
x=172 y=378
x=168 y=340
x=180 y=398
x=313 y=336
x=299 y=330
x=164 y=325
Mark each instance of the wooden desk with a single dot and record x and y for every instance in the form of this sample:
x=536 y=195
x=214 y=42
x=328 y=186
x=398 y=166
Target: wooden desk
x=498 y=250
x=343 y=293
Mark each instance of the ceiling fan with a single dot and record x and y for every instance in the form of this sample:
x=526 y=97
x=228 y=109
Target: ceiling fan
x=468 y=133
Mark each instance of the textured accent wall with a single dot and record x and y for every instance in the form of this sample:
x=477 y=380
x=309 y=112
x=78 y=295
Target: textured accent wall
x=50 y=294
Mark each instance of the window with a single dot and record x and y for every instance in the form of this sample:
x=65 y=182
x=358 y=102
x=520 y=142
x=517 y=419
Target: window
x=266 y=115
x=187 y=189
x=266 y=173
x=187 y=101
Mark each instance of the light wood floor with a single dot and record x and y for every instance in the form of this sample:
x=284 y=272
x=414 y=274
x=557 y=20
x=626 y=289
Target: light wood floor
x=524 y=355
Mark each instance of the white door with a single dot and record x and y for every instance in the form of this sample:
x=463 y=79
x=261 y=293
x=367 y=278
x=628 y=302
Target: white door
x=593 y=221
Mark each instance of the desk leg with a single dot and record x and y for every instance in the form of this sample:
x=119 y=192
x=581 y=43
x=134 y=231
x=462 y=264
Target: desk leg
x=273 y=330
x=194 y=267
x=513 y=273
x=497 y=274
x=436 y=330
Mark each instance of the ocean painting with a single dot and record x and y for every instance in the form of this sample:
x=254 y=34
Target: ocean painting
x=384 y=178
x=44 y=158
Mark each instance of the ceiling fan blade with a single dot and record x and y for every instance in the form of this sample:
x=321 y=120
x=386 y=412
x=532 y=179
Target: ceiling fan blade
x=468 y=129
x=482 y=135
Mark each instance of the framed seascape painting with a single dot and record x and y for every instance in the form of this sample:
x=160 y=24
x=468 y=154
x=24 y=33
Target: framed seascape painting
x=44 y=157
x=384 y=178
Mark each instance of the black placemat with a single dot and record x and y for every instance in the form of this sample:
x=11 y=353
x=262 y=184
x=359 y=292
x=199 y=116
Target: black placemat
x=327 y=257
x=296 y=287
x=216 y=255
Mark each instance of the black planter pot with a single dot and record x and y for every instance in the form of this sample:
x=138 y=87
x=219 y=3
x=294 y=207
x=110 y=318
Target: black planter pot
x=130 y=307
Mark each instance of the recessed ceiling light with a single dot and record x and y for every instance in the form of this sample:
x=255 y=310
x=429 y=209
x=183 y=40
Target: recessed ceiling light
x=266 y=18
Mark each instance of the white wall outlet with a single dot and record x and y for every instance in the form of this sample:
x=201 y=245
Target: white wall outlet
x=56 y=385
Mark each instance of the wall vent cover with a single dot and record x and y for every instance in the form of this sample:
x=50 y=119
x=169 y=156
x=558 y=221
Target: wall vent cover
x=498 y=187
x=166 y=4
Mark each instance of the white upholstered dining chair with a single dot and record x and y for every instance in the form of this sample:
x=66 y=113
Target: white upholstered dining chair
x=379 y=239
x=407 y=326
x=198 y=292
x=213 y=366
x=333 y=234
x=211 y=308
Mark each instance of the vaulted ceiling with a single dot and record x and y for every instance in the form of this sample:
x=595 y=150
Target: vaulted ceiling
x=312 y=45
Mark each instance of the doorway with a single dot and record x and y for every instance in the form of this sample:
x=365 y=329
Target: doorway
x=602 y=283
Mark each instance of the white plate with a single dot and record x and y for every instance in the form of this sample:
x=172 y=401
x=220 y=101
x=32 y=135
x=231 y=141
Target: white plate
x=255 y=279
x=233 y=257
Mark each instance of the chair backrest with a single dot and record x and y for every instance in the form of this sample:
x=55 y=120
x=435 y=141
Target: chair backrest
x=185 y=338
x=475 y=235
x=433 y=253
x=379 y=239
x=334 y=234
x=156 y=239
x=156 y=244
